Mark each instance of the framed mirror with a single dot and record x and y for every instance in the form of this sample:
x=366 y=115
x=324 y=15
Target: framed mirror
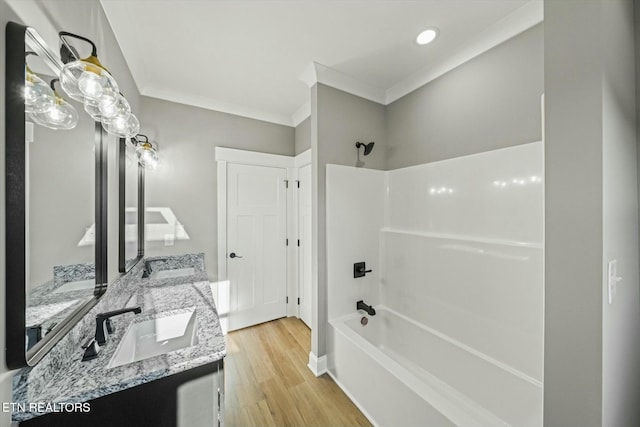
x=131 y=209
x=56 y=179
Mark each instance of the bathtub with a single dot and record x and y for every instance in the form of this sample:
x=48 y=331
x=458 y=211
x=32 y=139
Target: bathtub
x=399 y=372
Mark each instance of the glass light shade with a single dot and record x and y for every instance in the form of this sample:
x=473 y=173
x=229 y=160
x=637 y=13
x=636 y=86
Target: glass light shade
x=61 y=116
x=38 y=96
x=147 y=155
x=93 y=109
x=87 y=79
x=113 y=110
x=108 y=97
x=123 y=127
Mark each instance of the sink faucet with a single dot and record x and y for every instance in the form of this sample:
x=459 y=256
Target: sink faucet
x=147 y=266
x=103 y=323
x=360 y=305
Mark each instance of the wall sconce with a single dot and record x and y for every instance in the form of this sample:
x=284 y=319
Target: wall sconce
x=147 y=153
x=88 y=81
x=85 y=78
x=61 y=115
x=38 y=96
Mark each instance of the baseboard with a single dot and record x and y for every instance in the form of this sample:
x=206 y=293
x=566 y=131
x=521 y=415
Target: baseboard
x=318 y=365
x=353 y=399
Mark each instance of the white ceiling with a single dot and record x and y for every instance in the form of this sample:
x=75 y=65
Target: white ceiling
x=247 y=57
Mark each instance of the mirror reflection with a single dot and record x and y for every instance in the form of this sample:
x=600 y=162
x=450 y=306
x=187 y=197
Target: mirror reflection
x=130 y=174
x=60 y=203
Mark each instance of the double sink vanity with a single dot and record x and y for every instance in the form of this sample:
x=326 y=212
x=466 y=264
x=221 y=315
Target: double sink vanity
x=94 y=342
x=170 y=355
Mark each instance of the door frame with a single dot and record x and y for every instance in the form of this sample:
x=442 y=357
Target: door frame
x=224 y=156
x=301 y=160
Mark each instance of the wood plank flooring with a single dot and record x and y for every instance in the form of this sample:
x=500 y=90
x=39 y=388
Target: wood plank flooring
x=268 y=383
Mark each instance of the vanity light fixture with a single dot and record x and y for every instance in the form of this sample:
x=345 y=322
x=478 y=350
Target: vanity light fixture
x=38 y=96
x=147 y=153
x=61 y=115
x=88 y=81
x=427 y=36
x=85 y=78
x=112 y=111
x=123 y=127
x=93 y=109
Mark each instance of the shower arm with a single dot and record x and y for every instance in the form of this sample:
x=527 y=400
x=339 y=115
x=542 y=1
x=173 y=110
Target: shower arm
x=368 y=148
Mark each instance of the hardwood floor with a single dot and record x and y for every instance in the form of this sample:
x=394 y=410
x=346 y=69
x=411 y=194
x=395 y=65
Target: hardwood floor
x=268 y=383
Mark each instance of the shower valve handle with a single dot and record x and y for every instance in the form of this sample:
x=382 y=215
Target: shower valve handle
x=360 y=269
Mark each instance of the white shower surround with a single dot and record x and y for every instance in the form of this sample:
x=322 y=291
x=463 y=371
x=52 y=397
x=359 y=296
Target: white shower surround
x=456 y=248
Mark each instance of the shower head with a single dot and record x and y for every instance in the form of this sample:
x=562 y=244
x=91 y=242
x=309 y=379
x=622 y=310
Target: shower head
x=368 y=148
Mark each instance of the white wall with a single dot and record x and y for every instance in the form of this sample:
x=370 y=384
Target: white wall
x=463 y=251
x=355 y=215
x=460 y=244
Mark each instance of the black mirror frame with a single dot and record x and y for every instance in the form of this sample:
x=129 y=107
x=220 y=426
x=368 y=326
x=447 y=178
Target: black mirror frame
x=122 y=173
x=15 y=221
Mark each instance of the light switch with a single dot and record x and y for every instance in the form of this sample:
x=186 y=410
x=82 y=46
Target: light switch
x=613 y=279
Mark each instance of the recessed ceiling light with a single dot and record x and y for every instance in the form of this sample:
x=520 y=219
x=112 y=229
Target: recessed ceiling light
x=427 y=36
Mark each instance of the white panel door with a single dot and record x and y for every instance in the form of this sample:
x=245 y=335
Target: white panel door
x=256 y=250
x=304 y=253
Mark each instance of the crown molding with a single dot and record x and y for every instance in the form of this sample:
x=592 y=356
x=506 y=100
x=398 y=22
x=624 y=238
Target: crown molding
x=318 y=73
x=510 y=26
x=515 y=23
x=301 y=114
x=219 y=106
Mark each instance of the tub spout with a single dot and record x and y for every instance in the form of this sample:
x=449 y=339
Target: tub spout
x=360 y=305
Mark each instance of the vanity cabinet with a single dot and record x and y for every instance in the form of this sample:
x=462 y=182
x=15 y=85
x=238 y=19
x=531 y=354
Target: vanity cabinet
x=193 y=398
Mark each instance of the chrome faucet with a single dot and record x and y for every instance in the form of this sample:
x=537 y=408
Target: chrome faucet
x=360 y=305
x=104 y=326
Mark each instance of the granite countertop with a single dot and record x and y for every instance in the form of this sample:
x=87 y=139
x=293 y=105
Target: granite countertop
x=46 y=306
x=76 y=381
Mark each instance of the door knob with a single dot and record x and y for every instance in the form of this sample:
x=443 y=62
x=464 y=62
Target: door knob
x=233 y=255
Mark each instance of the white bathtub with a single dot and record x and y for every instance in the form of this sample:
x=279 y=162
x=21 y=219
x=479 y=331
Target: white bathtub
x=400 y=372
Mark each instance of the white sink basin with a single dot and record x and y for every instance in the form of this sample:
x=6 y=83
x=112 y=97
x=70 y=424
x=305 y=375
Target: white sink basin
x=178 y=272
x=156 y=336
x=78 y=285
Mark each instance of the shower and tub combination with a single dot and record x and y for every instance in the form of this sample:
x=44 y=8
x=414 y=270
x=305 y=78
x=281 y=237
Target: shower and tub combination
x=456 y=253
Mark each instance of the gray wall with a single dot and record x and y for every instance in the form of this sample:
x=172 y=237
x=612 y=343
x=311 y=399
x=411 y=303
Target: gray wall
x=490 y=102
x=61 y=203
x=303 y=136
x=621 y=320
x=591 y=347
x=573 y=215
x=338 y=120
x=186 y=179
